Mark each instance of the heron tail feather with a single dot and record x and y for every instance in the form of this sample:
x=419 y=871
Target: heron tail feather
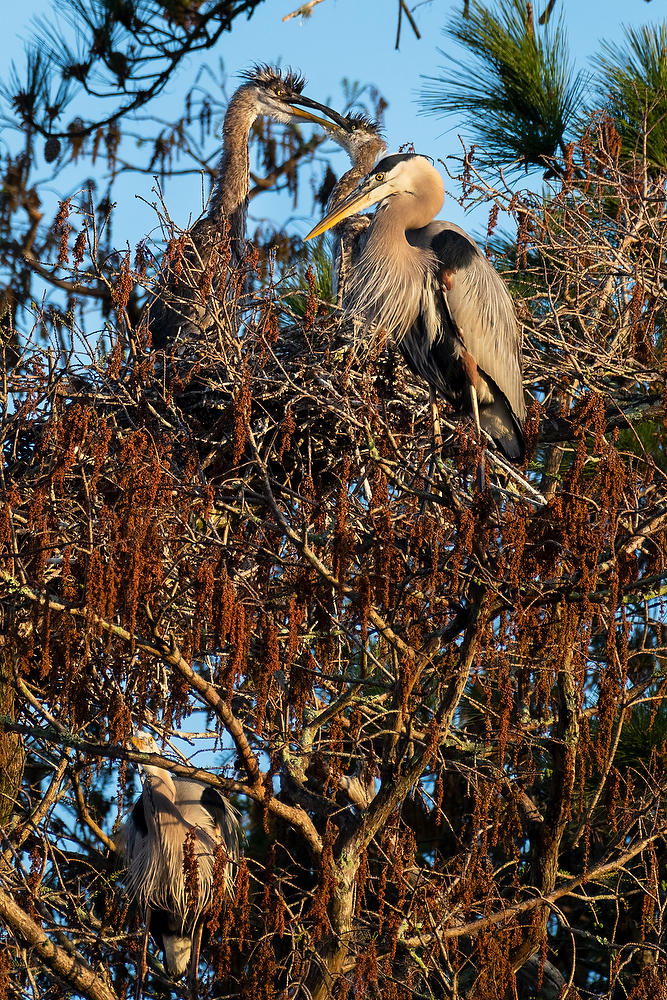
x=177 y=949
x=498 y=420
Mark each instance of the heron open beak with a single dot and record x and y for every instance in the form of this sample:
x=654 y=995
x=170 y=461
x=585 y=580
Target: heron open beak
x=333 y=121
x=360 y=199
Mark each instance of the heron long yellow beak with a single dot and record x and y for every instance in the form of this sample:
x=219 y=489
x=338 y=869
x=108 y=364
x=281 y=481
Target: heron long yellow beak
x=356 y=202
x=328 y=126
x=333 y=122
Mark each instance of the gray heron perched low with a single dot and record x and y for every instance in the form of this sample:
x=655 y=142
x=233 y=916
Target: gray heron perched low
x=431 y=288
x=178 y=309
x=175 y=822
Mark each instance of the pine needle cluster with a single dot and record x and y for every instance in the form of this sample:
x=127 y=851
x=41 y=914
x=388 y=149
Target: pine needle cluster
x=633 y=86
x=515 y=87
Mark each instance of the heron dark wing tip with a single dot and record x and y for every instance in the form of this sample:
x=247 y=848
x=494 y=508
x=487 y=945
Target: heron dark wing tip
x=224 y=815
x=138 y=816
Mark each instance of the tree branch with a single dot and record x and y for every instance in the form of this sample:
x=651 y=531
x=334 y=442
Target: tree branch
x=71 y=968
x=170 y=654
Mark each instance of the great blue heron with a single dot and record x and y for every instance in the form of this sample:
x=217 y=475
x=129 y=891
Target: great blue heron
x=175 y=821
x=431 y=288
x=178 y=309
x=361 y=139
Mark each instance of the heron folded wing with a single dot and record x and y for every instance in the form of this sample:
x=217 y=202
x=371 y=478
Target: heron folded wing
x=225 y=818
x=483 y=312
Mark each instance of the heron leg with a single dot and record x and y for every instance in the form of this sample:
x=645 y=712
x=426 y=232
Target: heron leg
x=437 y=444
x=481 y=470
x=141 y=969
x=194 y=957
x=435 y=417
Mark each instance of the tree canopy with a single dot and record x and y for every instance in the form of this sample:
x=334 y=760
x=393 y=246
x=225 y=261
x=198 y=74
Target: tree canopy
x=440 y=710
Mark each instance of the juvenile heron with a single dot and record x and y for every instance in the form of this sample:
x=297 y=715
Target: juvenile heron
x=174 y=822
x=361 y=139
x=178 y=309
x=431 y=288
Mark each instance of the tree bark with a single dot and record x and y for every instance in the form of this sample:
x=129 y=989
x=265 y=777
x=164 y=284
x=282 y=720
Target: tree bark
x=12 y=753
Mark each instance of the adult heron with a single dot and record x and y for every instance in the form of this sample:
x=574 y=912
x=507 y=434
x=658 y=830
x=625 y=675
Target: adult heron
x=177 y=824
x=431 y=288
x=216 y=242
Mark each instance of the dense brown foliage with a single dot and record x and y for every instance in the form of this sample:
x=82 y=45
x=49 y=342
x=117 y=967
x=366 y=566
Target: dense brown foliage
x=441 y=711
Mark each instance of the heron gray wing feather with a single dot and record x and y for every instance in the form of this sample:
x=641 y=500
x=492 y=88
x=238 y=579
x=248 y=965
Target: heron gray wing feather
x=482 y=310
x=203 y=807
x=179 y=310
x=225 y=817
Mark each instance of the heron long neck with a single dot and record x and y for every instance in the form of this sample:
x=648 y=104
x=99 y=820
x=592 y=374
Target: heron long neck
x=229 y=200
x=161 y=782
x=387 y=283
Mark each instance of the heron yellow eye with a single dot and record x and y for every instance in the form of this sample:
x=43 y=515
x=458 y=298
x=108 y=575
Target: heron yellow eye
x=279 y=92
x=379 y=177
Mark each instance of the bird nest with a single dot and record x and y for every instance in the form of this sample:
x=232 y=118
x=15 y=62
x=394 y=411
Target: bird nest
x=281 y=389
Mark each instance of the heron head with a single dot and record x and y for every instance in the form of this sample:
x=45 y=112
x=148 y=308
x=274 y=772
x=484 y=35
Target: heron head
x=406 y=174
x=278 y=94
x=361 y=135
x=143 y=743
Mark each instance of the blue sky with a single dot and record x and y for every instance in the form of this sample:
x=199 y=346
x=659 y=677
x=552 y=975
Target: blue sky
x=342 y=38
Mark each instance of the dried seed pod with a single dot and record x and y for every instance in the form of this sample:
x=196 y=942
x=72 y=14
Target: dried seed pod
x=51 y=149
